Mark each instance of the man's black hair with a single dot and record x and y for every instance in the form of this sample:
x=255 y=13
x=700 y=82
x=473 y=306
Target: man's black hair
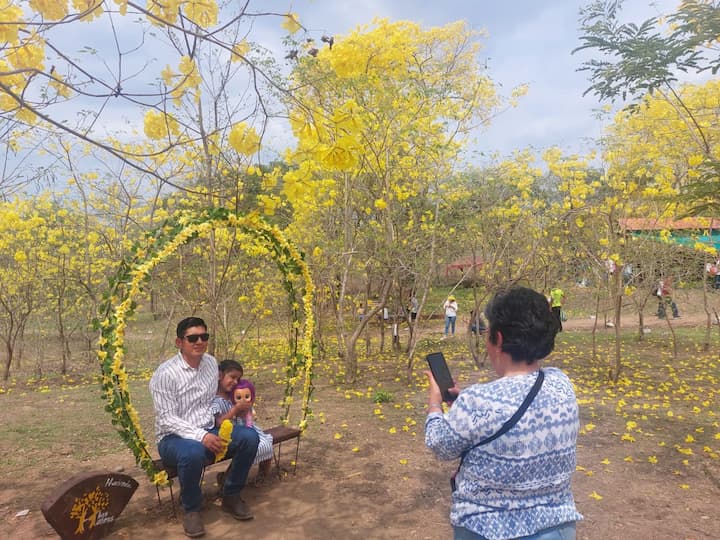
x=189 y=322
x=524 y=319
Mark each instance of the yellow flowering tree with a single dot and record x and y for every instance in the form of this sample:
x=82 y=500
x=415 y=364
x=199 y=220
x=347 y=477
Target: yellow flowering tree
x=47 y=87
x=22 y=230
x=648 y=156
x=667 y=144
x=668 y=135
x=380 y=116
x=55 y=264
x=645 y=61
x=195 y=120
x=590 y=210
x=503 y=224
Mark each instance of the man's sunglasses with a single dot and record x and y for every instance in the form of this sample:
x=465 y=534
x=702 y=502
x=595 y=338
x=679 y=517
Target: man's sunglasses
x=193 y=338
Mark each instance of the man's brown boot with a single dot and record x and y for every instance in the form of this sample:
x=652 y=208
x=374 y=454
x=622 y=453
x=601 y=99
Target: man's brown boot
x=237 y=507
x=193 y=525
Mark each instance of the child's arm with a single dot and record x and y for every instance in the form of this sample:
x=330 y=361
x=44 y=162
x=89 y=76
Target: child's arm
x=238 y=409
x=216 y=410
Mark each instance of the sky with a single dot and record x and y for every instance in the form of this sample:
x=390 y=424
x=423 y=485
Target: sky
x=528 y=42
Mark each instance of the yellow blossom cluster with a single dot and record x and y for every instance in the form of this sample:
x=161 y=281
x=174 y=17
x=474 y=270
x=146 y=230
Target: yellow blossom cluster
x=159 y=125
x=244 y=139
x=291 y=23
x=666 y=144
x=31 y=82
x=202 y=12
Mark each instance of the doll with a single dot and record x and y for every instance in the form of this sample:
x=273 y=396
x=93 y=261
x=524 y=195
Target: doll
x=245 y=391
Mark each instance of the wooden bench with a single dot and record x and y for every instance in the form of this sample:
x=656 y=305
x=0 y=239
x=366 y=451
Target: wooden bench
x=280 y=434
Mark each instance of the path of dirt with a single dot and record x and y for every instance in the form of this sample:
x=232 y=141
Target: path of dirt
x=373 y=482
x=337 y=493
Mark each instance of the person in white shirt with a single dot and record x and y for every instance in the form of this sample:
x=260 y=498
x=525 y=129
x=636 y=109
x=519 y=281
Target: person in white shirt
x=414 y=306
x=182 y=390
x=451 y=308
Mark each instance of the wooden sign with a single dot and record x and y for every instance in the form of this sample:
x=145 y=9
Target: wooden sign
x=86 y=506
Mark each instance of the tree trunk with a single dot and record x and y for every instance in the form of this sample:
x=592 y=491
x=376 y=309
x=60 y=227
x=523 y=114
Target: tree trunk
x=64 y=339
x=672 y=331
x=351 y=370
x=397 y=321
x=708 y=314
x=382 y=329
x=15 y=332
x=595 y=321
x=8 y=360
x=618 y=295
x=424 y=283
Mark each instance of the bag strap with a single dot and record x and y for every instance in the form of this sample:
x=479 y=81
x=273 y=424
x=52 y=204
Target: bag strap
x=507 y=426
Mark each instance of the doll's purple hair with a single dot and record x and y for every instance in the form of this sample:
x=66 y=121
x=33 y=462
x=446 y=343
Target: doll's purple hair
x=244 y=383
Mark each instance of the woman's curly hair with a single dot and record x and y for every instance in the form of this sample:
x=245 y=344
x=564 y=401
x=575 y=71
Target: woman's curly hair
x=524 y=319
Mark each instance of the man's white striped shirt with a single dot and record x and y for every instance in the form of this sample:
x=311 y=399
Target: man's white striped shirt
x=182 y=396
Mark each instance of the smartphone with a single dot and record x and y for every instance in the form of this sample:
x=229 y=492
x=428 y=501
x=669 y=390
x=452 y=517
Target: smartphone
x=441 y=373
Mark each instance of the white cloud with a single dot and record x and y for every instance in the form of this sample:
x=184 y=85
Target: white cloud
x=529 y=42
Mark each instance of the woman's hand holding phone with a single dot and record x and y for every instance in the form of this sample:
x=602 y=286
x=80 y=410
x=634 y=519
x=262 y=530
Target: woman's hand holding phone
x=442 y=377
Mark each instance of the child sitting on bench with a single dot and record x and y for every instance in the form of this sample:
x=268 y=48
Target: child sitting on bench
x=230 y=385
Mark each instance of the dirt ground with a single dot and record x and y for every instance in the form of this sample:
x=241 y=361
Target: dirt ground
x=363 y=470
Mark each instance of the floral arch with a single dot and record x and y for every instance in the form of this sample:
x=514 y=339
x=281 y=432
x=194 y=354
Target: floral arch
x=119 y=304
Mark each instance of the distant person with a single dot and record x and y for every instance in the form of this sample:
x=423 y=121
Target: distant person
x=627 y=273
x=610 y=268
x=413 y=308
x=713 y=271
x=511 y=483
x=477 y=323
x=665 y=294
x=451 y=308
x=182 y=390
x=557 y=298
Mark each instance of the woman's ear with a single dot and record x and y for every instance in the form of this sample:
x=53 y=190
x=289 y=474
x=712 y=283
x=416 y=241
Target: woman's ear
x=494 y=338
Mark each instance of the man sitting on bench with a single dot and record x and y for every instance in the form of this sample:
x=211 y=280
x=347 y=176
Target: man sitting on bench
x=182 y=390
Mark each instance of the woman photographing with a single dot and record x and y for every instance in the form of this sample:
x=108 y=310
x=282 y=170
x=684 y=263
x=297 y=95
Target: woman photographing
x=516 y=436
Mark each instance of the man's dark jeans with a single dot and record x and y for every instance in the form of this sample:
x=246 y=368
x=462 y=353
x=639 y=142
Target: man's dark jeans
x=189 y=457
